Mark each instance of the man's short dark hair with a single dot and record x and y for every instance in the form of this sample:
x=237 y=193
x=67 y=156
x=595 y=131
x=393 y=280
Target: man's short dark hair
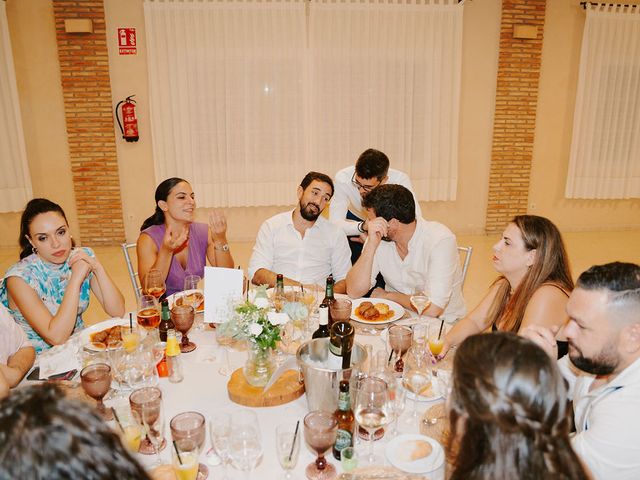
x=615 y=277
x=321 y=177
x=372 y=163
x=46 y=435
x=391 y=201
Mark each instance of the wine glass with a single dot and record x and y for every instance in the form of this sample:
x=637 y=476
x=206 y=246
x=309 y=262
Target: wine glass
x=416 y=378
x=397 y=402
x=245 y=446
x=399 y=341
x=96 y=382
x=220 y=432
x=182 y=317
x=195 y=297
x=154 y=426
x=320 y=431
x=147 y=402
x=287 y=446
x=148 y=312
x=420 y=301
x=185 y=459
x=372 y=408
x=190 y=425
x=154 y=283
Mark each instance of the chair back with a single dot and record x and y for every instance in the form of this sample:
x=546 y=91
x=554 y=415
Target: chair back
x=466 y=259
x=133 y=275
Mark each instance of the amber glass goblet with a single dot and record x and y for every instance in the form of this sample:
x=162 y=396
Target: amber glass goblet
x=320 y=431
x=183 y=317
x=96 y=382
x=191 y=425
x=147 y=402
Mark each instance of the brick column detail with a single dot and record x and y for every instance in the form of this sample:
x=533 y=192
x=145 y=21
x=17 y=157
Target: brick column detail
x=515 y=113
x=84 y=69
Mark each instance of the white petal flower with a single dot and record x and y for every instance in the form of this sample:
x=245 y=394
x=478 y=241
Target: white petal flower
x=261 y=302
x=276 y=318
x=255 y=329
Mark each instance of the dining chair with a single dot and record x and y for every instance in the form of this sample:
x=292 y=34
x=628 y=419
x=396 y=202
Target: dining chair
x=466 y=251
x=133 y=275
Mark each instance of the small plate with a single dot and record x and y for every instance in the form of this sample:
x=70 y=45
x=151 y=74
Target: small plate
x=399 y=448
x=85 y=335
x=398 y=311
x=172 y=297
x=438 y=389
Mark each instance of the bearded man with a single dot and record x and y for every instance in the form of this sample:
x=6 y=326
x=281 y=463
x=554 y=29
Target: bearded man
x=301 y=244
x=603 y=368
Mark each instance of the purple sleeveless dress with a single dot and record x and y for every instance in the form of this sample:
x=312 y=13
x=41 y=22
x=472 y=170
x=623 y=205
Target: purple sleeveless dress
x=196 y=256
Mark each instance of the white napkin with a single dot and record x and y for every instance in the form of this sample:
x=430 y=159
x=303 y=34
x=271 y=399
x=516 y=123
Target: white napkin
x=220 y=286
x=58 y=359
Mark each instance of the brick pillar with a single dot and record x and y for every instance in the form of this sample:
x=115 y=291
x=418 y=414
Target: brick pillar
x=515 y=112
x=84 y=68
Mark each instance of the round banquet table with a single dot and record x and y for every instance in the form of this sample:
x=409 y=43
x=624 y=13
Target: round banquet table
x=204 y=390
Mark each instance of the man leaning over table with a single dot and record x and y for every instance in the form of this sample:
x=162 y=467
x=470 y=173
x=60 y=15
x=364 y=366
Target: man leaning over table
x=301 y=244
x=603 y=332
x=352 y=185
x=403 y=247
x=16 y=353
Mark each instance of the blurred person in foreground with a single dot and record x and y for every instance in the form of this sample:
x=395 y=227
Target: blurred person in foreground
x=16 y=353
x=508 y=413
x=603 y=368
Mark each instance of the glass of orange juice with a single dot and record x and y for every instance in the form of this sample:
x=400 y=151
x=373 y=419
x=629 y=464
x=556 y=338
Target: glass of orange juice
x=436 y=337
x=131 y=430
x=185 y=459
x=130 y=337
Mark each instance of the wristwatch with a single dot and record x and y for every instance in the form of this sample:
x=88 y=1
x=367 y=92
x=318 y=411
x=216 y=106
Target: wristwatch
x=222 y=248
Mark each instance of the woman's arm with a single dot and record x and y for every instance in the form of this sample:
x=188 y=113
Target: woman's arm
x=18 y=365
x=546 y=308
x=475 y=322
x=54 y=329
x=218 y=252
x=102 y=286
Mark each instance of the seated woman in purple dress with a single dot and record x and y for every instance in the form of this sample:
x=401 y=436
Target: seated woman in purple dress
x=170 y=240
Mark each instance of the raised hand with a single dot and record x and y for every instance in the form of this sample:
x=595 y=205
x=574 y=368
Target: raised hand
x=175 y=237
x=378 y=228
x=217 y=223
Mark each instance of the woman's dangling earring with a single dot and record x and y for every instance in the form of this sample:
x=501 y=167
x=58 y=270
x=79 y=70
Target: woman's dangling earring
x=35 y=250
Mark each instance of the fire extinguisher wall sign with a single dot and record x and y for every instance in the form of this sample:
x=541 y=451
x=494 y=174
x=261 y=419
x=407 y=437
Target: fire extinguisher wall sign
x=129 y=124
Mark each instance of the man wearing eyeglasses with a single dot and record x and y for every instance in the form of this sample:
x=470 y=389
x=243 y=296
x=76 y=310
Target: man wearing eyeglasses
x=352 y=185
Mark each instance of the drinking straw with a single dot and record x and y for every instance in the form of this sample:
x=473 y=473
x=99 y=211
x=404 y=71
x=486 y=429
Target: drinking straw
x=302 y=288
x=390 y=355
x=441 y=325
x=295 y=436
x=131 y=320
x=117 y=419
x=177 y=452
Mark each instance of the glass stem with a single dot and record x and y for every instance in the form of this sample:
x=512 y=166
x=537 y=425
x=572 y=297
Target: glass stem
x=371 y=439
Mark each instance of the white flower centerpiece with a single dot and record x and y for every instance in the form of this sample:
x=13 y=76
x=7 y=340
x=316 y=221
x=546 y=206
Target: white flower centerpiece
x=256 y=322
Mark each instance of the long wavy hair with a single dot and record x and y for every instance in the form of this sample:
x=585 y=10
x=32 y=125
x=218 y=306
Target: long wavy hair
x=34 y=208
x=508 y=413
x=551 y=266
x=162 y=193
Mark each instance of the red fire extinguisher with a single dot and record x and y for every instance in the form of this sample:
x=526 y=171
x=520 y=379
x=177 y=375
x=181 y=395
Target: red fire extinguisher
x=130 y=129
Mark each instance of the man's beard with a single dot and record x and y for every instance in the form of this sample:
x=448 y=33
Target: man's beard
x=604 y=363
x=307 y=213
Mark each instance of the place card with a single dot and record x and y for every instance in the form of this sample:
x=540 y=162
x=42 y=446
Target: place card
x=222 y=288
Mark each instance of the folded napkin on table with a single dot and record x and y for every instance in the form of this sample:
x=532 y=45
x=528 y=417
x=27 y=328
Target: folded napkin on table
x=58 y=359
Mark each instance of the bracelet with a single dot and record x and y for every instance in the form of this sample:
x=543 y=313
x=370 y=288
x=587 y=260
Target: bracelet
x=222 y=248
x=361 y=228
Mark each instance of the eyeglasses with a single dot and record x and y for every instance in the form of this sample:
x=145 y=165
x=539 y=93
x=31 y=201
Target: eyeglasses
x=359 y=186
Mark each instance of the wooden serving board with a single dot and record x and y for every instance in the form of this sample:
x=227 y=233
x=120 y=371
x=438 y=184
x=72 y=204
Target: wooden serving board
x=286 y=389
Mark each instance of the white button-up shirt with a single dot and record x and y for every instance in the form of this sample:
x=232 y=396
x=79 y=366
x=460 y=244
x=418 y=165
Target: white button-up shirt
x=432 y=262
x=322 y=251
x=607 y=422
x=347 y=197
x=12 y=337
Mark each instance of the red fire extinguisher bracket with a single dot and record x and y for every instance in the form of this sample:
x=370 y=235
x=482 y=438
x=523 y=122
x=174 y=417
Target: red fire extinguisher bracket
x=129 y=124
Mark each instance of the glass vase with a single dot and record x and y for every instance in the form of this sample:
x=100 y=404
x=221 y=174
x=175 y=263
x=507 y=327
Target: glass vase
x=260 y=366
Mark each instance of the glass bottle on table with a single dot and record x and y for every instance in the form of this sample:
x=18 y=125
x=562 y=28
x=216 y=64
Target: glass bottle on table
x=166 y=323
x=323 y=323
x=346 y=421
x=279 y=298
x=174 y=362
x=329 y=299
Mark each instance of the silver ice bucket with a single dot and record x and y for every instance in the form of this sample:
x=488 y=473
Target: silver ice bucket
x=322 y=372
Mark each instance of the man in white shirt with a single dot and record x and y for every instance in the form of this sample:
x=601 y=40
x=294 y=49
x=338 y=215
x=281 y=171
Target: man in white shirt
x=603 y=332
x=301 y=244
x=16 y=353
x=352 y=185
x=410 y=253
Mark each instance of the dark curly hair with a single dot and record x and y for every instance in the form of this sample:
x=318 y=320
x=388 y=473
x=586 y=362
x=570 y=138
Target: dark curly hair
x=391 y=201
x=508 y=415
x=372 y=163
x=46 y=436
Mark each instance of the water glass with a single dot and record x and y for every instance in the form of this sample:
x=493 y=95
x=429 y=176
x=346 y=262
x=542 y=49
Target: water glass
x=245 y=446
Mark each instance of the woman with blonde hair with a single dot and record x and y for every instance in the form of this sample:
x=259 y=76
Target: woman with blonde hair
x=533 y=286
x=508 y=413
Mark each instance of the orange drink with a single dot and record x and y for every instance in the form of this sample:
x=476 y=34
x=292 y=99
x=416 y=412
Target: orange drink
x=436 y=346
x=132 y=436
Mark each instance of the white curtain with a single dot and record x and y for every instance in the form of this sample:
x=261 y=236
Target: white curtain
x=247 y=96
x=15 y=182
x=386 y=74
x=605 y=150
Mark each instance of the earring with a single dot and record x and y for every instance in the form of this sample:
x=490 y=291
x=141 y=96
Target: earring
x=35 y=250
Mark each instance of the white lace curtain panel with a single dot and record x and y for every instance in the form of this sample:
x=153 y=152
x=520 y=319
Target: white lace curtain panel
x=15 y=181
x=248 y=96
x=604 y=161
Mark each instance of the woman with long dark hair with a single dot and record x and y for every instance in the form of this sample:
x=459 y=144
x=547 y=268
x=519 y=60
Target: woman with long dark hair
x=47 y=291
x=533 y=287
x=172 y=242
x=508 y=413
